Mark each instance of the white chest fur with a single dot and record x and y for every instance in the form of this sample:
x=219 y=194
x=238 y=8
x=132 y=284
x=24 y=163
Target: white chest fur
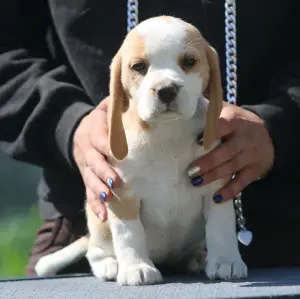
x=176 y=219
x=171 y=208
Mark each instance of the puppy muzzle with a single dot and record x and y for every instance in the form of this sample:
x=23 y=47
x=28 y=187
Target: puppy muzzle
x=166 y=94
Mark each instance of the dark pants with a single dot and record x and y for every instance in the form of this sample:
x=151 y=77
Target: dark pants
x=54 y=235
x=271 y=246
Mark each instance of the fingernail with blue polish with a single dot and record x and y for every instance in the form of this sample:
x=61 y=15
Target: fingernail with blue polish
x=193 y=171
x=218 y=198
x=110 y=182
x=103 y=196
x=197 y=181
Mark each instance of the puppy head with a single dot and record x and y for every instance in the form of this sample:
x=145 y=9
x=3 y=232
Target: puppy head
x=161 y=71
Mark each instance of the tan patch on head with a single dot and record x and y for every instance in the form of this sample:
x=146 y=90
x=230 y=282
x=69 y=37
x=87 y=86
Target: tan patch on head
x=195 y=46
x=132 y=51
x=123 y=84
x=207 y=66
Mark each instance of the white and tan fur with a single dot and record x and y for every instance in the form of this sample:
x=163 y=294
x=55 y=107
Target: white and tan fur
x=157 y=216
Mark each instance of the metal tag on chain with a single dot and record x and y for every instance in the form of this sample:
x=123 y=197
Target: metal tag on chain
x=244 y=236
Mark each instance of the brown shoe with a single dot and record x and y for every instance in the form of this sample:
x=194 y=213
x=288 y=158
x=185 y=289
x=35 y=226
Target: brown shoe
x=54 y=235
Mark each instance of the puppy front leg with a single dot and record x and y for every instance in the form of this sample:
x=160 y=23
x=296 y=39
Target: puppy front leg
x=223 y=257
x=100 y=253
x=130 y=244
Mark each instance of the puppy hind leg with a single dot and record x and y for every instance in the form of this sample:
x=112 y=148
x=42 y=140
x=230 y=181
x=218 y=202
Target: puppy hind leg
x=196 y=261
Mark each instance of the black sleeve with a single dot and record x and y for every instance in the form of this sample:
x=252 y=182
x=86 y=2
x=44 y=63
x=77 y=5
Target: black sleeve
x=281 y=113
x=40 y=103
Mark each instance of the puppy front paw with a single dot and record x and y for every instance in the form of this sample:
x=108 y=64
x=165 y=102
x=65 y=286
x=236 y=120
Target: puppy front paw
x=106 y=269
x=139 y=274
x=225 y=269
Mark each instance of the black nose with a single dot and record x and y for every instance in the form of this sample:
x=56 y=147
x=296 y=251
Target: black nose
x=167 y=94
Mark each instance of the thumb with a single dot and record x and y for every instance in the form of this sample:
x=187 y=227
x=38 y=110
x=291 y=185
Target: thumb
x=103 y=105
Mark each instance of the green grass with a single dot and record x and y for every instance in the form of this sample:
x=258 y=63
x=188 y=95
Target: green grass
x=17 y=234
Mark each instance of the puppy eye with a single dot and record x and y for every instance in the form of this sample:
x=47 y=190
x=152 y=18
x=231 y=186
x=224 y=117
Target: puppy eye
x=139 y=66
x=188 y=62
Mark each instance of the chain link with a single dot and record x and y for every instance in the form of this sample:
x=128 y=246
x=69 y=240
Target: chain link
x=239 y=212
x=132 y=14
x=231 y=57
x=231 y=80
x=231 y=71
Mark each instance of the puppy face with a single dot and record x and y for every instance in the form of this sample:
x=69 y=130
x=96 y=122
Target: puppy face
x=160 y=73
x=164 y=66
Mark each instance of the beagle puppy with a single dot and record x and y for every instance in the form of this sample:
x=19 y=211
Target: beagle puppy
x=165 y=89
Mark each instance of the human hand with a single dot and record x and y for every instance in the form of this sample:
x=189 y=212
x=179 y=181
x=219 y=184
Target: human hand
x=90 y=149
x=246 y=151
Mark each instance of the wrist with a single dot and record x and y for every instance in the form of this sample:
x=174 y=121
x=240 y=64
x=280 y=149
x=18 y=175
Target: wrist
x=66 y=128
x=266 y=114
x=78 y=134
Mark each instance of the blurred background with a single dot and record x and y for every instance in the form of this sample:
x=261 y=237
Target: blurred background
x=19 y=216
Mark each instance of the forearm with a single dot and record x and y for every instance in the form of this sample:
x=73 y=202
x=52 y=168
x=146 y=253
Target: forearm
x=39 y=109
x=281 y=114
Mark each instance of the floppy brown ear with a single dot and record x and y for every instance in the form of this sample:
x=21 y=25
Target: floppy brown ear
x=215 y=96
x=117 y=138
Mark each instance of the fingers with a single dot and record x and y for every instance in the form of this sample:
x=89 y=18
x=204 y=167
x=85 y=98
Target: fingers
x=98 y=164
x=240 y=161
x=96 y=185
x=98 y=193
x=97 y=206
x=99 y=178
x=241 y=152
x=100 y=144
x=242 y=179
x=90 y=152
x=223 y=153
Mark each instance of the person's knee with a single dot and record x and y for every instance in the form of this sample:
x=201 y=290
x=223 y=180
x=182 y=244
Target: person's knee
x=54 y=235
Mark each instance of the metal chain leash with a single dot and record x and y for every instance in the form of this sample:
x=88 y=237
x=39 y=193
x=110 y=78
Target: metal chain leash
x=244 y=235
x=231 y=57
x=132 y=14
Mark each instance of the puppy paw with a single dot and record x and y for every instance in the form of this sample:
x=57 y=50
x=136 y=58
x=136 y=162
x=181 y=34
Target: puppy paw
x=139 y=274
x=226 y=270
x=106 y=269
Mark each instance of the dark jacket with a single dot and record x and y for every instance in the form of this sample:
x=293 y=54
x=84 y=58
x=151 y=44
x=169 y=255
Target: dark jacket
x=54 y=58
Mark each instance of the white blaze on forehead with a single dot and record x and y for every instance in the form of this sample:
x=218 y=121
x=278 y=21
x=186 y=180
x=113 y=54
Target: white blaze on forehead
x=163 y=36
x=164 y=41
